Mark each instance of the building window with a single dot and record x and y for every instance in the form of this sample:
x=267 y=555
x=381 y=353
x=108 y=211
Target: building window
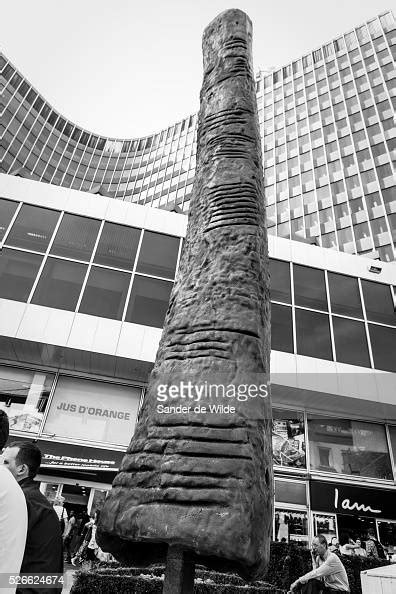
x=75 y=237
x=344 y=295
x=60 y=284
x=158 y=255
x=280 y=281
x=350 y=342
x=18 y=271
x=313 y=334
x=149 y=301
x=352 y=447
x=7 y=211
x=93 y=411
x=281 y=328
x=24 y=396
x=105 y=293
x=288 y=438
x=309 y=287
x=379 y=303
x=33 y=228
x=383 y=340
x=325 y=524
x=117 y=246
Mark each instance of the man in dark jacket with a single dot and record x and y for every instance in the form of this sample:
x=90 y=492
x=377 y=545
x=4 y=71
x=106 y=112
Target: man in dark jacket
x=43 y=551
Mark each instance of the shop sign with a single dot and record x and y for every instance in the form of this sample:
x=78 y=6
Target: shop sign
x=354 y=500
x=93 y=411
x=72 y=457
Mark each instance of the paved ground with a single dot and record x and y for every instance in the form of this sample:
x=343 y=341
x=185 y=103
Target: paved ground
x=68 y=577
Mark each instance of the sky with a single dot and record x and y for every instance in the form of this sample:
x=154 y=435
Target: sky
x=128 y=68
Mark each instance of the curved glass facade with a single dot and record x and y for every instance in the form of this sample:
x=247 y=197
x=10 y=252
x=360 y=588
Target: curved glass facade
x=327 y=126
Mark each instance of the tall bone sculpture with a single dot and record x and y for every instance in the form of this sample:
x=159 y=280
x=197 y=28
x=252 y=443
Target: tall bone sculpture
x=198 y=482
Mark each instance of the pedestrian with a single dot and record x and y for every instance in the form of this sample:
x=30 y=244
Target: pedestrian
x=86 y=533
x=329 y=575
x=68 y=534
x=13 y=516
x=43 y=551
x=334 y=545
x=373 y=547
x=348 y=545
x=359 y=549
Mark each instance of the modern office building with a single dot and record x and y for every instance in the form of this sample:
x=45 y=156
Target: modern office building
x=87 y=266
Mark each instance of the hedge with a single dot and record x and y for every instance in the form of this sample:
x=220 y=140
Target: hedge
x=287 y=563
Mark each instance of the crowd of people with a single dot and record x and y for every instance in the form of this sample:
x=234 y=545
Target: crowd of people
x=33 y=540
x=348 y=545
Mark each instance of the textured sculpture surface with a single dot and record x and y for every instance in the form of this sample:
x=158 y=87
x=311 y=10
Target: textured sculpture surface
x=202 y=480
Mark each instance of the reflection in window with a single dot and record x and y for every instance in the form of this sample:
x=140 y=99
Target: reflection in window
x=280 y=281
x=33 y=228
x=281 y=328
x=313 y=334
x=75 y=237
x=378 y=302
x=348 y=447
x=24 y=396
x=350 y=342
x=290 y=525
x=7 y=211
x=344 y=295
x=18 y=271
x=309 y=287
x=105 y=293
x=158 y=254
x=288 y=438
x=149 y=301
x=383 y=341
x=60 y=284
x=117 y=246
x=291 y=492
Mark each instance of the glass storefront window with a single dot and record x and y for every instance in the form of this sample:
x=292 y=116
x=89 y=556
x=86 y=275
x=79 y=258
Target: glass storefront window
x=344 y=295
x=158 y=254
x=281 y=328
x=309 y=287
x=117 y=246
x=18 y=271
x=387 y=537
x=290 y=525
x=33 y=228
x=75 y=237
x=325 y=524
x=23 y=396
x=288 y=438
x=280 y=281
x=291 y=492
x=7 y=211
x=149 y=301
x=349 y=447
x=93 y=411
x=60 y=284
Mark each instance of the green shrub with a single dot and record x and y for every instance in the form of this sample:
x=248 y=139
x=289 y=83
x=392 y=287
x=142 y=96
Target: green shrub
x=287 y=563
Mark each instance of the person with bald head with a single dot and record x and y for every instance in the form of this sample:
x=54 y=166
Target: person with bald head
x=329 y=575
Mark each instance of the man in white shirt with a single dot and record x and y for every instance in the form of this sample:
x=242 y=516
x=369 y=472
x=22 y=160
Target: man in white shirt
x=13 y=516
x=329 y=575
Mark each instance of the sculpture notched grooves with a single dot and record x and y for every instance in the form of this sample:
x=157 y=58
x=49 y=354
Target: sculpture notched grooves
x=201 y=481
